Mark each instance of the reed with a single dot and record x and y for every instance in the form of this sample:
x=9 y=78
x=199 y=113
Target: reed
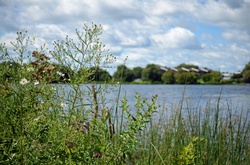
x=198 y=136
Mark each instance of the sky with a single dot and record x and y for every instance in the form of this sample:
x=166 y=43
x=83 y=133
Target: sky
x=208 y=33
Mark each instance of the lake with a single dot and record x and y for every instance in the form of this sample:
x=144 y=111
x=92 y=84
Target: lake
x=197 y=97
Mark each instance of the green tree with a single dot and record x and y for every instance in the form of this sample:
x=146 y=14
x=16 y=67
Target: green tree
x=123 y=74
x=186 y=77
x=152 y=73
x=206 y=77
x=237 y=77
x=214 y=77
x=137 y=72
x=99 y=74
x=188 y=66
x=168 y=77
x=246 y=73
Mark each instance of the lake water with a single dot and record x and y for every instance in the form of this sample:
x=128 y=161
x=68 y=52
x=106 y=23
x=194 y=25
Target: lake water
x=198 y=97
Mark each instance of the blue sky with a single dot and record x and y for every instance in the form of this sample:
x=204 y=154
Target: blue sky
x=207 y=33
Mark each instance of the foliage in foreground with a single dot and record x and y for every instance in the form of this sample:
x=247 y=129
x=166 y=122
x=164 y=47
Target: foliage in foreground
x=73 y=123
x=67 y=123
x=190 y=135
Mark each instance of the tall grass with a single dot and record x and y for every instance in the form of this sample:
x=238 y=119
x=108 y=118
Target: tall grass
x=73 y=123
x=197 y=136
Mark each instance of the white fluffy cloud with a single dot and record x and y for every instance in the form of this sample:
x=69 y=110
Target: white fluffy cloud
x=208 y=33
x=177 y=38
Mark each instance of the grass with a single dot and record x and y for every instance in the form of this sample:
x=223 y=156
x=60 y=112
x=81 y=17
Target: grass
x=41 y=123
x=196 y=136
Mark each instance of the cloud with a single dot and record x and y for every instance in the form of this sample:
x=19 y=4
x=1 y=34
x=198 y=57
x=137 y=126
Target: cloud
x=222 y=14
x=234 y=4
x=177 y=38
x=210 y=33
x=237 y=36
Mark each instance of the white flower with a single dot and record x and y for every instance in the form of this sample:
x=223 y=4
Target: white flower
x=63 y=104
x=24 y=81
x=60 y=73
x=36 y=82
x=30 y=69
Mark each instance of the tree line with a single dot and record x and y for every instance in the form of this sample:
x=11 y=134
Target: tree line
x=182 y=74
x=151 y=74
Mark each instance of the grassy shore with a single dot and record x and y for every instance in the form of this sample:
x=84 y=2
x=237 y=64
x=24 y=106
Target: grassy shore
x=41 y=123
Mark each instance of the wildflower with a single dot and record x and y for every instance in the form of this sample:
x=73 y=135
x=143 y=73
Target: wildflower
x=33 y=38
x=24 y=81
x=44 y=43
x=13 y=155
x=36 y=119
x=60 y=73
x=36 y=82
x=30 y=69
x=63 y=104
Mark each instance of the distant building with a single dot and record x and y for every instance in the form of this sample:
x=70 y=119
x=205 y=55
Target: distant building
x=185 y=69
x=227 y=75
x=163 y=68
x=200 y=71
x=173 y=69
x=203 y=70
x=195 y=70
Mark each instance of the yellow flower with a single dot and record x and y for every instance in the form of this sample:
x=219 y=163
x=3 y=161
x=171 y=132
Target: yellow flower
x=33 y=38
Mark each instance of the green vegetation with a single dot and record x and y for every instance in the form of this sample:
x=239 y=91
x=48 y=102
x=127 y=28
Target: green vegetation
x=123 y=74
x=151 y=73
x=71 y=123
x=182 y=74
x=168 y=77
x=214 y=77
x=64 y=123
x=246 y=73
